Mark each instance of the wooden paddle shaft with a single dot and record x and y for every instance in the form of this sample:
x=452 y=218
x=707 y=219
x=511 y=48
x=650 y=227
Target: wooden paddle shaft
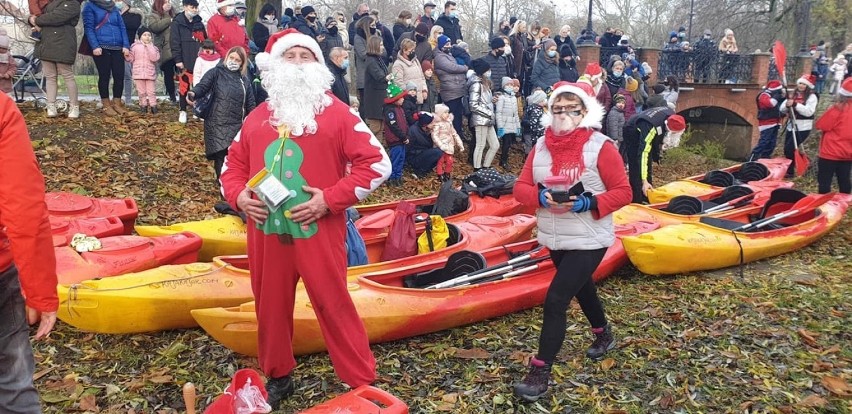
x=189 y=397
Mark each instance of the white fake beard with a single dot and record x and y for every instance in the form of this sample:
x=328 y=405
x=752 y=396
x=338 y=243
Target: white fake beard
x=671 y=140
x=563 y=124
x=297 y=94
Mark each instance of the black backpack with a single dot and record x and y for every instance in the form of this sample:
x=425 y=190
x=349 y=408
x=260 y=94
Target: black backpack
x=450 y=201
x=489 y=182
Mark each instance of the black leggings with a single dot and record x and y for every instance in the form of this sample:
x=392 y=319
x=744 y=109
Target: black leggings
x=573 y=278
x=168 y=68
x=828 y=169
x=110 y=62
x=218 y=159
x=789 y=148
x=506 y=143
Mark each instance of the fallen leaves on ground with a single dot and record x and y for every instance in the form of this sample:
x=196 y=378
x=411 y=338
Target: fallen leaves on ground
x=703 y=342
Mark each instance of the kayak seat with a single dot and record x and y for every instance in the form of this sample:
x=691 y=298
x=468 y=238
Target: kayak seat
x=731 y=193
x=458 y=264
x=684 y=205
x=751 y=171
x=718 y=178
x=779 y=200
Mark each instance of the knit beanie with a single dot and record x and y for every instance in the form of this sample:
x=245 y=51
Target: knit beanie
x=426 y=65
x=442 y=41
x=306 y=10
x=537 y=97
x=505 y=81
x=480 y=66
x=497 y=43
x=424 y=119
x=410 y=86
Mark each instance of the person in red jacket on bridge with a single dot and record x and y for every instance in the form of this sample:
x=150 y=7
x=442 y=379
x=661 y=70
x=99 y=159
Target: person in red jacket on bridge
x=225 y=30
x=835 y=148
x=27 y=262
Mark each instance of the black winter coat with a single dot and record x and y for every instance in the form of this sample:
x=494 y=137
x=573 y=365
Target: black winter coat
x=132 y=22
x=59 y=36
x=375 y=86
x=339 y=88
x=499 y=69
x=302 y=25
x=184 y=46
x=260 y=33
x=452 y=27
x=233 y=99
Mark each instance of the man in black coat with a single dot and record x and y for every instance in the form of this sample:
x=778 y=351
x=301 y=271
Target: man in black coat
x=187 y=33
x=420 y=152
x=499 y=64
x=387 y=36
x=450 y=22
x=426 y=18
x=363 y=10
x=338 y=63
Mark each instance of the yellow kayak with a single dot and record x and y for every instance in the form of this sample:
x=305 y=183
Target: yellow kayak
x=222 y=236
x=154 y=299
x=713 y=243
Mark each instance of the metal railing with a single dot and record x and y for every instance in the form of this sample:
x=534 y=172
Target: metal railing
x=705 y=67
x=789 y=68
x=607 y=52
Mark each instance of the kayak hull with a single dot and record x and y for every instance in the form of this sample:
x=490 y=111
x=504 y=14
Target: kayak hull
x=70 y=205
x=226 y=235
x=125 y=254
x=692 y=186
x=671 y=250
x=391 y=312
x=144 y=302
x=64 y=228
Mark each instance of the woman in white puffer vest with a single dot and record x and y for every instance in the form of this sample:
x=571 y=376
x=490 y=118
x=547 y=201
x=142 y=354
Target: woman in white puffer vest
x=577 y=232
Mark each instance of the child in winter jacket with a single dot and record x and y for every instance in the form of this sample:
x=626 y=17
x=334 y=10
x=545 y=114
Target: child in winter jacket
x=508 y=122
x=835 y=148
x=207 y=59
x=409 y=103
x=144 y=57
x=532 y=126
x=431 y=92
x=395 y=132
x=461 y=53
x=838 y=70
x=446 y=138
x=615 y=120
x=7 y=64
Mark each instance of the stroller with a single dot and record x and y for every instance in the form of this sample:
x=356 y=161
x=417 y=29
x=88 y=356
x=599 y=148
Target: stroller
x=29 y=80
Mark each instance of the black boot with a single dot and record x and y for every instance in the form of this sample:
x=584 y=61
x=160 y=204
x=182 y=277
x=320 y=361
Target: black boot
x=446 y=177
x=604 y=341
x=143 y=109
x=154 y=109
x=279 y=389
x=536 y=381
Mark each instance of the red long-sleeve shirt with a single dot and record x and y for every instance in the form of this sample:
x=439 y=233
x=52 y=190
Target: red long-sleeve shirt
x=25 y=235
x=611 y=169
x=836 y=127
x=226 y=32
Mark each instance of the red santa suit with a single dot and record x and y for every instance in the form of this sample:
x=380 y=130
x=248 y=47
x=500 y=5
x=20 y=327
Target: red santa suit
x=225 y=31
x=316 y=252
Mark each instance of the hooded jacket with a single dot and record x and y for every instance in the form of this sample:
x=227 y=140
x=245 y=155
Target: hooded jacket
x=161 y=27
x=451 y=75
x=144 y=59
x=58 y=32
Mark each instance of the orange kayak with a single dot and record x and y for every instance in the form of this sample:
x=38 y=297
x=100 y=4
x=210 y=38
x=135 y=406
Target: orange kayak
x=162 y=298
x=764 y=174
x=70 y=205
x=64 y=228
x=721 y=242
x=391 y=311
x=125 y=254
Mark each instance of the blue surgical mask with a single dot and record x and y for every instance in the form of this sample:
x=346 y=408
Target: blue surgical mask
x=617 y=73
x=119 y=5
x=551 y=53
x=509 y=90
x=345 y=65
x=454 y=14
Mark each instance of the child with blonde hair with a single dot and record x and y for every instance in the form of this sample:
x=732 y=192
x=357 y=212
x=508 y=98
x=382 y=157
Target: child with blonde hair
x=446 y=139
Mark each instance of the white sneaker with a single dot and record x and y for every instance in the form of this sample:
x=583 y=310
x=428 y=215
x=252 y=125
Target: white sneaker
x=51 y=110
x=73 y=111
x=182 y=117
x=99 y=104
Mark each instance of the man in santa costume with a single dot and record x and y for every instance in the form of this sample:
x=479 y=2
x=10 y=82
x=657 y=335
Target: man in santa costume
x=303 y=137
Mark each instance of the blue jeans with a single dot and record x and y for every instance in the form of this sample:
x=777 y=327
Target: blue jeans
x=766 y=144
x=397 y=156
x=17 y=394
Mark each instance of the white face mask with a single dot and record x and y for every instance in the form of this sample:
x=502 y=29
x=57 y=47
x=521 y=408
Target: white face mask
x=232 y=66
x=507 y=50
x=230 y=10
x=564 y=123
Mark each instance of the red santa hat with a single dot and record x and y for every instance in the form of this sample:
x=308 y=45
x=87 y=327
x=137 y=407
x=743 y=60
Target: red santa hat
x=774 y=85
x=594 y=110
x=808 y=80
x=223 y=3
x=593 y=70
x=846 y=88
x=283 y=41
x=676 y=123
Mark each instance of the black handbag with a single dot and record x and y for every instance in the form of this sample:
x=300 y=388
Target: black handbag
x=202 y=106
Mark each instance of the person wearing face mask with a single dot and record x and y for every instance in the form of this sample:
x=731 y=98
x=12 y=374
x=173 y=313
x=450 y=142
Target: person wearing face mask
x=187 y=33
x=363 y=10
x=386 y=34
x=265 y=26
x=614 y=82
x=427 y=18
x=449 y=21
x=224 y=28
x=332 y=37
x=423 y=50
x=577 y=232
x=644 y=135
x=406 y=68
x=567 y=64
x=232 y=98
x=338 y=64
x=452 y=79
x=545 y=71
x=498 y=62
x=307 y=23
x=402 y=24
x=366 y=28
x=505 y=28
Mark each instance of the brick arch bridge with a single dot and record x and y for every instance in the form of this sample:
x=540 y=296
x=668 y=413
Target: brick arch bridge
x=721 y=112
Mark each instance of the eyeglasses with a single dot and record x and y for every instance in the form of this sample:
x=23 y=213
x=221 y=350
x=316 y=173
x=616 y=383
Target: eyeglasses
x=570 y=110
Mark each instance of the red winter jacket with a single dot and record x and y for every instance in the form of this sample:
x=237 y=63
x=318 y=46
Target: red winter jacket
x=25 y=235
x=226 y=32
x=836 y=127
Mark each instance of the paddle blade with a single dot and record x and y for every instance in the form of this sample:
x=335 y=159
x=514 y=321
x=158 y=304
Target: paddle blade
x=802 y=162
x=780 y=59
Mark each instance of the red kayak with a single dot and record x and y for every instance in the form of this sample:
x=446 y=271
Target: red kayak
x=70 y=205
x=64 y=228
x=125 y=254
x=365 y=399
